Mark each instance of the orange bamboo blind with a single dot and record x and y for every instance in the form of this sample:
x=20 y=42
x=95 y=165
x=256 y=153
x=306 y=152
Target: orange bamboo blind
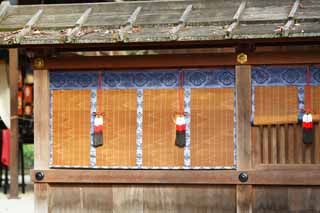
x=119 y=133
x=275 y=105
x=71 y=127
x=159 y=107
x=212 y=127
x=315 y=100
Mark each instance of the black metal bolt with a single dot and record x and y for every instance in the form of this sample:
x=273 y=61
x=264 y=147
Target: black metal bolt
x=243 y=177
x=39 y=176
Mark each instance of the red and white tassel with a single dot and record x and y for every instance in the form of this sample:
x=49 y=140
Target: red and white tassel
x=98 y=131
x=180 y=131
x=307 y=125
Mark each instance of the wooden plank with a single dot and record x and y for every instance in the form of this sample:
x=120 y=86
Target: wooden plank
x=271 y=199
x=41 y=119
x=205 y=198
x=96 y=198
x=282 y=145
x=274 y=148
x=260 y=177
x=128 y=198
x=290 y=144
x=243 y=111
x=283 y=167
x=140 y=176
x=298 y=144
x=304 y=199
x=243 y=133
x=65 y=198
x=258 y=145
x=41 y=196
x=159 y=199
x=244 y=198
x=180 y=60
x=265 y=145
x=317 y=145
x=14 y=132
x=308 y=153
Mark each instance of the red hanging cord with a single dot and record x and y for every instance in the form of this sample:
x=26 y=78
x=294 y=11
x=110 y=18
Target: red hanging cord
x=308 y=89
x=180 y=92
x=99 y=94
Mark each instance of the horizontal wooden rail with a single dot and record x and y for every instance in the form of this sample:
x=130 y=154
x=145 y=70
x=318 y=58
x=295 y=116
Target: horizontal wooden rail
x=258 y=177
x=179 y=60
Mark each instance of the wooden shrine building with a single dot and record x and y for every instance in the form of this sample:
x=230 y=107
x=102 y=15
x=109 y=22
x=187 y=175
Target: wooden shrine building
x=243 y=77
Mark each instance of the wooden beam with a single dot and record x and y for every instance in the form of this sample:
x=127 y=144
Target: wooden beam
x=243 y=134
x=180 y=60
x=80 y=22
x=14 y=146
x=182 y=21
x=227 y=177
x=28 y=27
x=41 y=119
x=291 y=17
x=236 y=18
x=139 y=176
x=123 y=32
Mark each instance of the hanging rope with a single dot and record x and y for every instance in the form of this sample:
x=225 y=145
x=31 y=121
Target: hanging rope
x=307 y=122
x=99 y=95
x=308 y=90
x=98 y=119
x=180 y=117
x=181 y=92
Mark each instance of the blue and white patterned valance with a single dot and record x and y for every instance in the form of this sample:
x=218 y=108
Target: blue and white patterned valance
x=283 y=75
x=204 y=78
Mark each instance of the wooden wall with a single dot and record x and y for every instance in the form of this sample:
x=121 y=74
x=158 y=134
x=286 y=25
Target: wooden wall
x=140 y=198
x=282 y=186
x=282 y=144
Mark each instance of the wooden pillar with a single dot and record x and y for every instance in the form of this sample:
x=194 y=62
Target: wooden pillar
x=243 y=131
x=13 y=80
x=41 y=135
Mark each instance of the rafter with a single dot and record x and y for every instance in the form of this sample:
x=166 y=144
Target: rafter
x=291 y=18
x=236 y=18
x=28 y=27
x=182 y=21
x=80 y=22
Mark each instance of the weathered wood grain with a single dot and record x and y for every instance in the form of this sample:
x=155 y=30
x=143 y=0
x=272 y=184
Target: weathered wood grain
x=129 y=198
x=282 y=145
x=41 y=196
x=41 y=119
x=14 y=131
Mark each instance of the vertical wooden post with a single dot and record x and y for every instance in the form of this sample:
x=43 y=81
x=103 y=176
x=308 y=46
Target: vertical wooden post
x=13 y=80
x=243 y=131
x=41 y=135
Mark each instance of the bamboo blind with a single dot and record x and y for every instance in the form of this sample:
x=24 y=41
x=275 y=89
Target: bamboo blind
x=276 y=105
x=159 y=107
x=119 y=133
x=212 y=127
x=71 y=127
x=315 y=101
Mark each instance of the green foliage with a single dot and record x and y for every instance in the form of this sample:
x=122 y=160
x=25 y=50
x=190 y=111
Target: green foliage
x=28 y=156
